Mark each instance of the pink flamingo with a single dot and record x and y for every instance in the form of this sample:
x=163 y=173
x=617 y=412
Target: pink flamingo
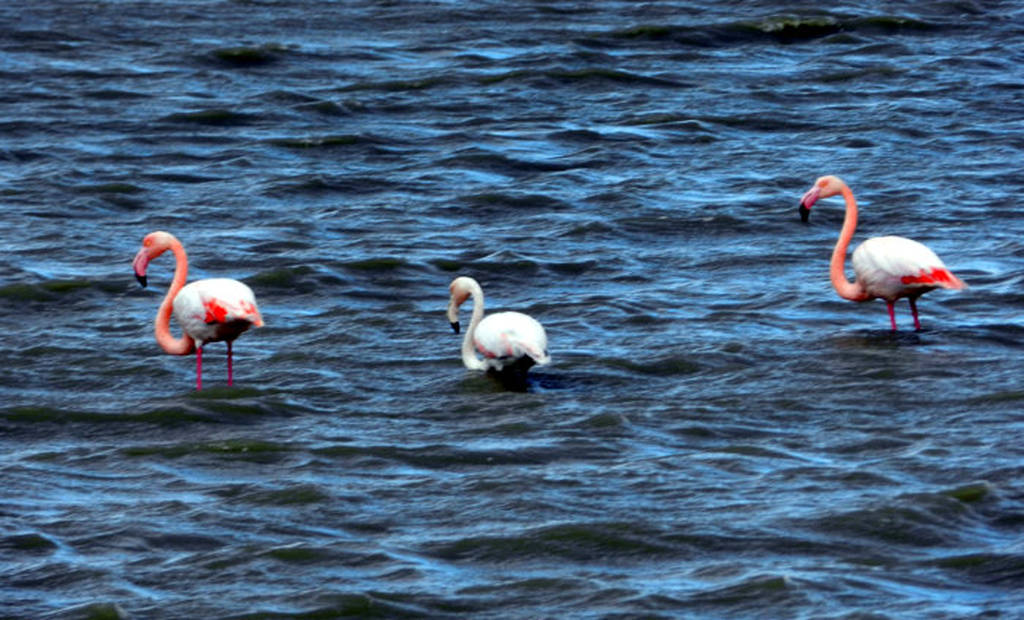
x=207 y=310
x=507 y=340
x=886 y=267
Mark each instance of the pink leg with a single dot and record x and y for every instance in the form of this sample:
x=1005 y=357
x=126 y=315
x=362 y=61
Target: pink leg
x=229 y=363
x=892 y=315
x=913 y=309
x=199 y=368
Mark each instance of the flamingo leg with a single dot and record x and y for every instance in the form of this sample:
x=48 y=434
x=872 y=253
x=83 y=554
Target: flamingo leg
x=913 y=310
x=229 y=363
x=892 y=314
x=199 y=368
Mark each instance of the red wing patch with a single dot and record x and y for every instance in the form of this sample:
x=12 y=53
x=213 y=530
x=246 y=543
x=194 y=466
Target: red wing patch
x=250 y=312
x=215 y=312
x=218 y=312
x=936 y=276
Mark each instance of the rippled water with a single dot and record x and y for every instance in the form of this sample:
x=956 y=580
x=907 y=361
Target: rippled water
x=719 y=434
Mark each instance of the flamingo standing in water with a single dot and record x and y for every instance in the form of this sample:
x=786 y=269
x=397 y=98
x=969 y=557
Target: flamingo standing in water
x=207 y=310
x=886 y=267
x=511 y=342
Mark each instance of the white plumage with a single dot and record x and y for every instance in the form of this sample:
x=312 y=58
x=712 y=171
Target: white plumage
x=882 y=264
x=504 y=337
x=215 y=309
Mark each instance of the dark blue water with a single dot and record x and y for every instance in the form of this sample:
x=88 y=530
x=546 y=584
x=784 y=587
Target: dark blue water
x=718 y=435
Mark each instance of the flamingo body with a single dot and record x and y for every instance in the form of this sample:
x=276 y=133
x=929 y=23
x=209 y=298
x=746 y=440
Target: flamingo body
x=507 y=340
x=215 y=310
x=893 y=267
x=212 y=310
x=885 y=267
x=505 y=337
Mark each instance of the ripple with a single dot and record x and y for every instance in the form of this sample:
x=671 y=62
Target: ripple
x=27 y=543
x=216 y=117
x=573 y=542
x=247 y=56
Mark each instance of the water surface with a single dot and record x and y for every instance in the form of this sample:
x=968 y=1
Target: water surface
x=719 y=434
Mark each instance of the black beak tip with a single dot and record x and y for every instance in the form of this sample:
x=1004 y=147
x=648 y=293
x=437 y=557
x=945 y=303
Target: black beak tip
x=805 y=214
x=455 y=327
x=141 y=279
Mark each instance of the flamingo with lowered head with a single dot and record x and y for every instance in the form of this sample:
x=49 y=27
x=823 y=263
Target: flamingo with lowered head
x=509 y=341
x=886 y=267
x=213 y=310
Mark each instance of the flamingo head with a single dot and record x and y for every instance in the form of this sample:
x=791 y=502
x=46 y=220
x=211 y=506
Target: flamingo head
x=824 y=187
x=154 y=244
x=461 y=288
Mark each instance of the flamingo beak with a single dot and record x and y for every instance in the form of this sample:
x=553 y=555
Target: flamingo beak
x=453 y=311
x=808 y=201
x=139 y=265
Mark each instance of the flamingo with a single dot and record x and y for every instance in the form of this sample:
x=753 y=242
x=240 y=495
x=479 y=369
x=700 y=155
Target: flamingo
x=886 y=267
x=509 y=341
x=207 y=310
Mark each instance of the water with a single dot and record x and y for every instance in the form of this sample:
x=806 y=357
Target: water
x=719 y=434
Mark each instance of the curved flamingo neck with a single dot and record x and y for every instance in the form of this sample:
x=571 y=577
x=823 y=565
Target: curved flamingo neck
x=162 y=325
x=837 y=267
x=469 y=358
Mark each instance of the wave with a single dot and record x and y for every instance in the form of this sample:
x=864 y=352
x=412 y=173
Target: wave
x=109 y=188
x=672 y=365
x=503 y=263
x=1002 y=569
x=568 y=541
x=396 y=85
x=320 y=184
x=299 y=279
x=782 y=29
x=216 y=117
x=445 y=456
x=319 y=142
x=582 y=75
x=218 y=404
x=58 y=290
x=289 y=495
x=914 y=521
x=518 y=202
x=248 y=56
x=33 y=543
x=114 y=94
x=477 y=159
x=381 y=264
x=244 y=449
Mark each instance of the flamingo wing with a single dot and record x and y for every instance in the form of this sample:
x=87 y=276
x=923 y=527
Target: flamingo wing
x=509 y=336
x=216 y=309
x=893 y=267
